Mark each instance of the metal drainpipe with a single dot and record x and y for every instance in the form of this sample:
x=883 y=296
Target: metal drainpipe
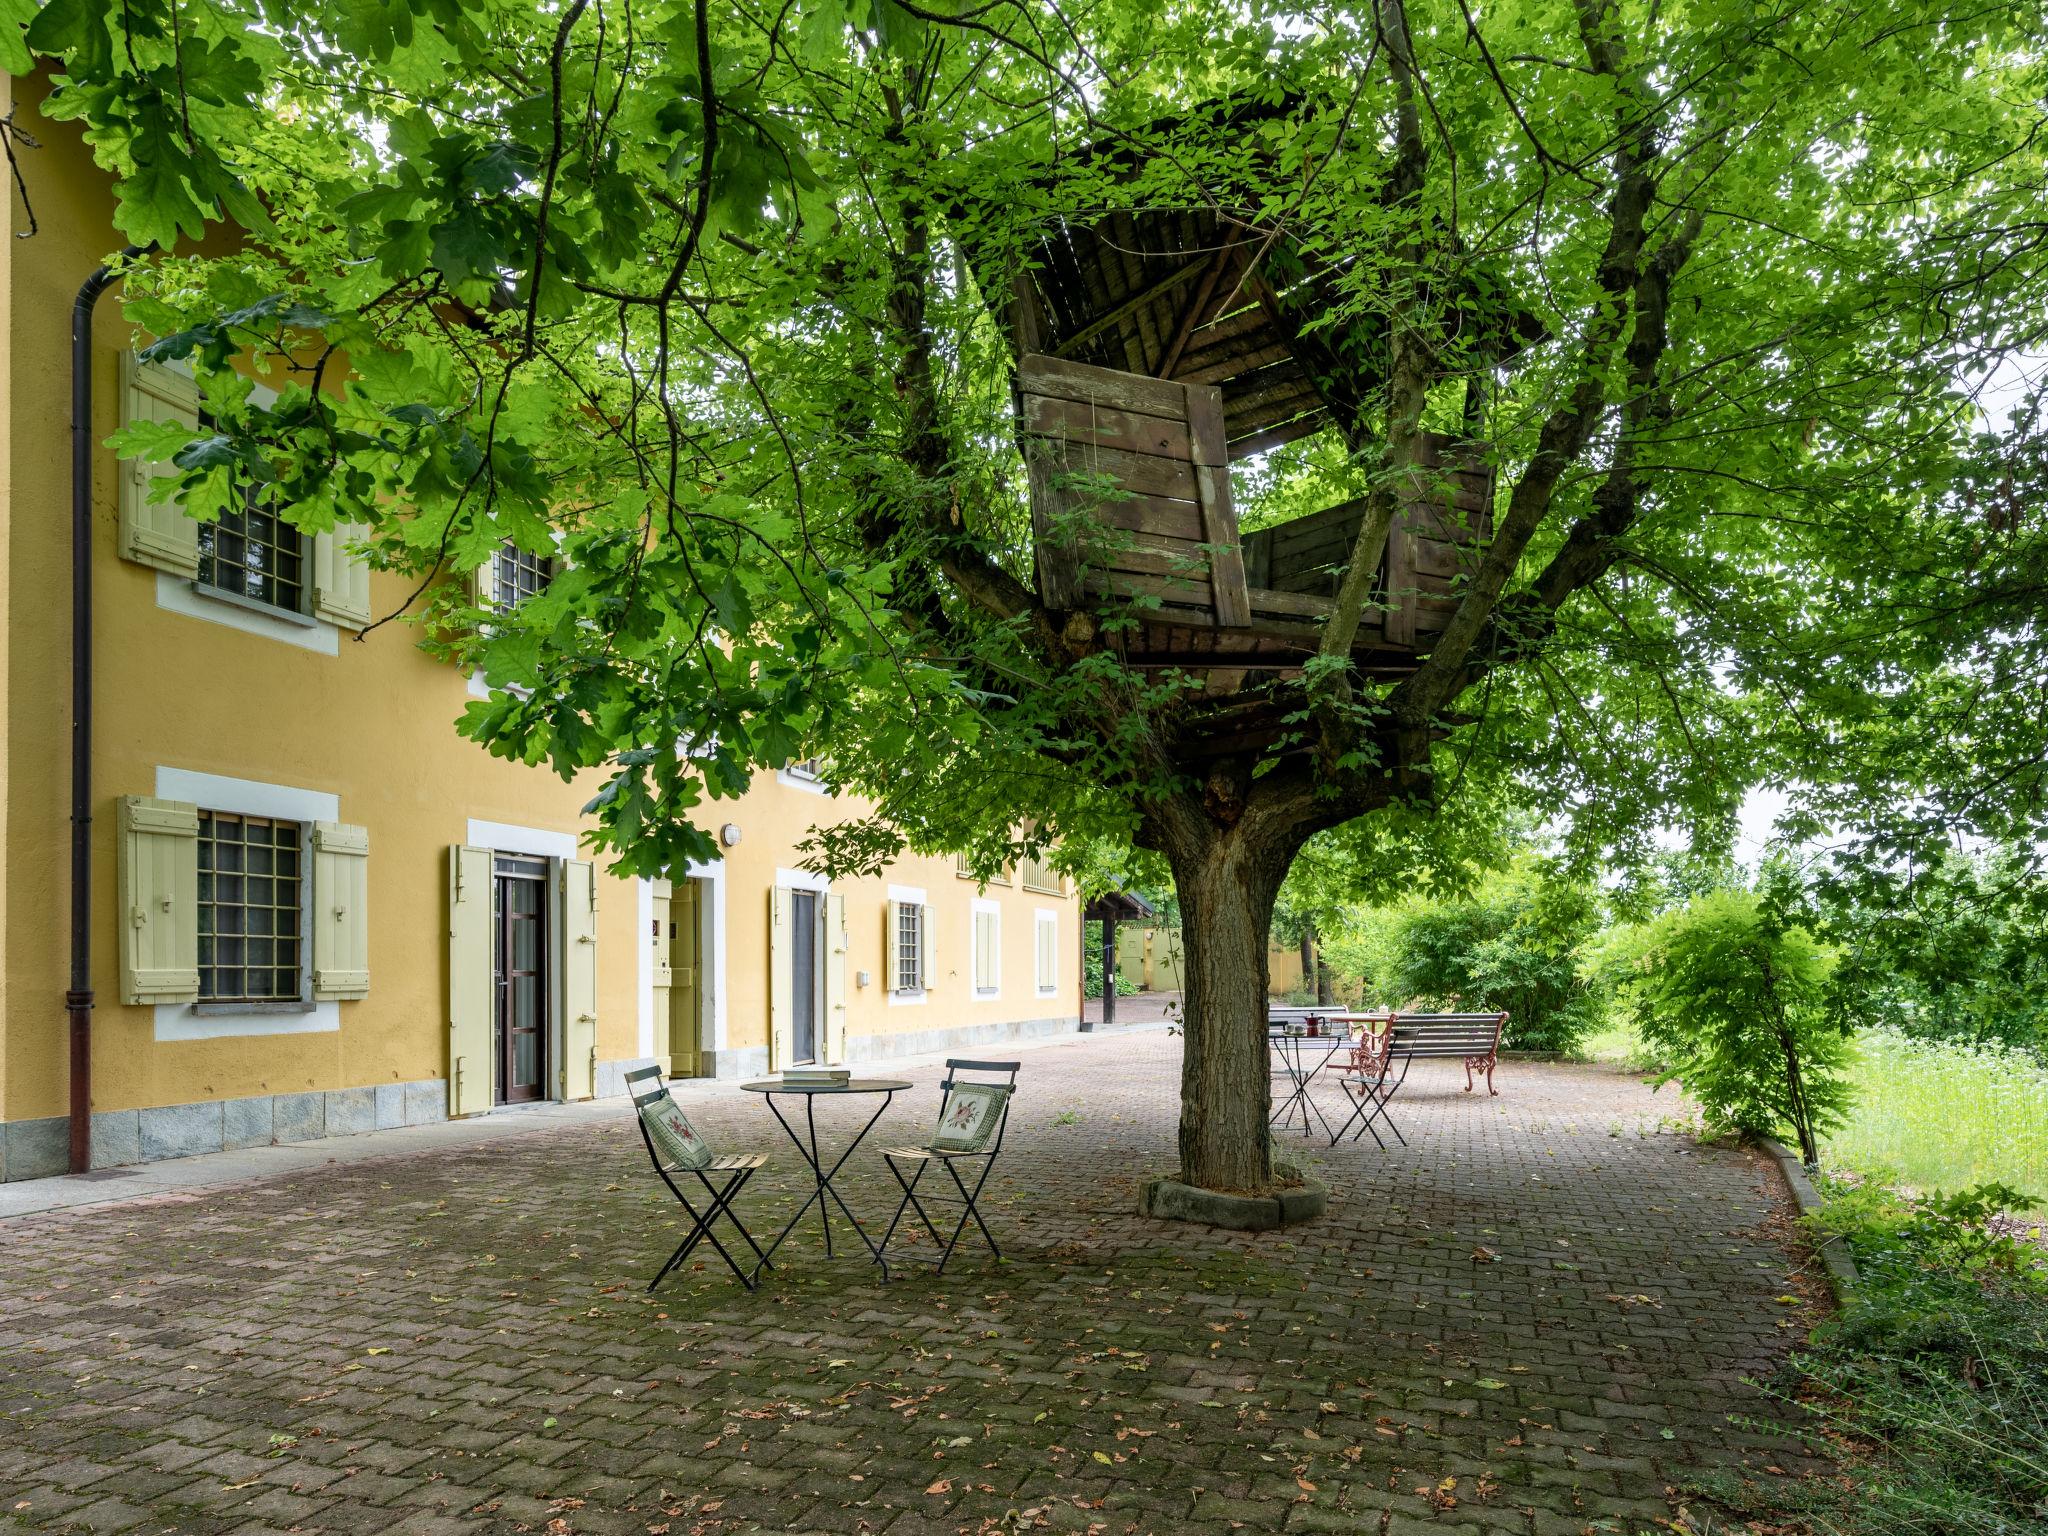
x=78 y=1001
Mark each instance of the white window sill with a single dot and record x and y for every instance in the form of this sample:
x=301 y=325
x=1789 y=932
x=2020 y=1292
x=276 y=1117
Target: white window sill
x=279 y=1007
x=192 y=1021
x=175 y=594
x=268 y=610
x=803 y=782
x=908 y=997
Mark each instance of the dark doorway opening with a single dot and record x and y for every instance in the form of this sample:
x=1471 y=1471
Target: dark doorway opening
x=804 y=977
x=520 y=953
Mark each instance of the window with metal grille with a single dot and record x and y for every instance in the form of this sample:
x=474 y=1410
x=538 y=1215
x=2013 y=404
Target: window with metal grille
x=251 y=909
x=517 y=574
x=255 y=554
x=811 y=770
x=909 y=947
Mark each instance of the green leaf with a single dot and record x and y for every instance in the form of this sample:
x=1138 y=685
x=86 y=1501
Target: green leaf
x=15 y=18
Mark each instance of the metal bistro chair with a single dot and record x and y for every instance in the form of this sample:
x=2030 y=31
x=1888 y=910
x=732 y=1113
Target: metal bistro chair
x=676 y=1148
x=972 y=1118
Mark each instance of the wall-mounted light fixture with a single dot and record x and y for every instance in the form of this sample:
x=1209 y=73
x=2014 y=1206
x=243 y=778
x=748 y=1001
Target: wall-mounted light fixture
x=729 y=834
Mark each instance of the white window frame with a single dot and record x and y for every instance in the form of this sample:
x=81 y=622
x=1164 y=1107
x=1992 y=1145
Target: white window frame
x=912 y=896
x=1041 y=919
x=509 y=547
x=185 y=595
x=485 y=591
x=803 y=776
x=991 y=993
x=246 y=797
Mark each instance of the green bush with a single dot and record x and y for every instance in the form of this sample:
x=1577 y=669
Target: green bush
x=1734 y=999
x=1935 y=1379
x=1515 y=945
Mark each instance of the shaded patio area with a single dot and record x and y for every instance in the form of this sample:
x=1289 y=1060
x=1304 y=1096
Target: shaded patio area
x=1538 y=1317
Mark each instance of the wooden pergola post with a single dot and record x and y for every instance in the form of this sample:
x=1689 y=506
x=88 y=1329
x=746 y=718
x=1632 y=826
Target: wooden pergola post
x=1109 y=970
x=1109 y=909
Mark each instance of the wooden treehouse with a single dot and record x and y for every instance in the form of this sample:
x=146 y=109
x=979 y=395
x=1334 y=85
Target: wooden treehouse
x=1153 y=352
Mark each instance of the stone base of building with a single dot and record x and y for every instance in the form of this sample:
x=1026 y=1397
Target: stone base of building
x=40 y=1149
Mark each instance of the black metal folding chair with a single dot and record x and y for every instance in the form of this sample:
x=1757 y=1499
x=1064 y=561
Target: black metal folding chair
x=676 y=1148
x=1368 y=1083
x=973 y=1115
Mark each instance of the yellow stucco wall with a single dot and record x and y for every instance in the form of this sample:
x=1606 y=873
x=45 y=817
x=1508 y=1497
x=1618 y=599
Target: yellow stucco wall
x=7 y=492
x=372 y=725
x=773 y=817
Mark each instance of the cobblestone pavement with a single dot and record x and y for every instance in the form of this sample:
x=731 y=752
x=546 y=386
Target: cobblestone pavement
x=1539 y=1317
x=1135 y=1008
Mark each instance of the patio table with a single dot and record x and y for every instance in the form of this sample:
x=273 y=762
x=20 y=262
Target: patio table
x=1287 y=1035
x=1296 y=1049
x=824 y=1190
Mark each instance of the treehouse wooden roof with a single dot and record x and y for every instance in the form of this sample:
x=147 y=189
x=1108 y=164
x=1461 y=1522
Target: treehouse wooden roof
x=1188 y=296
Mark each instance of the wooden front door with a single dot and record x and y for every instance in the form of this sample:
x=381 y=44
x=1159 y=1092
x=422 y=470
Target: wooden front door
x=520 y=951
x=685 y=985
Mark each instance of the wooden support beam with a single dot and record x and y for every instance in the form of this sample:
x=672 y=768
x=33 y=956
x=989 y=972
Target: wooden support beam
x=1101 y=323
x=1197 y=310
x=1219 y=517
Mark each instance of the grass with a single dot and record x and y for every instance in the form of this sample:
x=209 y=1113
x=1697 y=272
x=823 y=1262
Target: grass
x=1927 y=1115
x=1618 y=1044
x=1931 y=1388
x=1946 y=1115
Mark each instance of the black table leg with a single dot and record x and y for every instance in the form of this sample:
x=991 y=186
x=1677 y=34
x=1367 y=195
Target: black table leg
x=823 y=1193
x=1291 y=1059
x=817 y=1170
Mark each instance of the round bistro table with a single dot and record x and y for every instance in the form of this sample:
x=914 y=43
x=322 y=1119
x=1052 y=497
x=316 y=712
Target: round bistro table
x=807 y=1144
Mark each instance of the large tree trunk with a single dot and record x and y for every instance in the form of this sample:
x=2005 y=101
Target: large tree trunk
x=1227 y=880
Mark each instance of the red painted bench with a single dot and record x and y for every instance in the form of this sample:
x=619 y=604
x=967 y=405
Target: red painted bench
x=1369 y=1079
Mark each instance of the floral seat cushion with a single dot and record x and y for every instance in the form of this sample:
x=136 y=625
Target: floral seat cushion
x=674 y=1138
x=969 y=1117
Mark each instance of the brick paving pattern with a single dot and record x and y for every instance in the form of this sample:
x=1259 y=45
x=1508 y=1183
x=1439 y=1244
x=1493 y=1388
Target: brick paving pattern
x=1539 y=1317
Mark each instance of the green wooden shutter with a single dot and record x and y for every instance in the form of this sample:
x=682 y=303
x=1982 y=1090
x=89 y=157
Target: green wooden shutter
x=156 y=533
x=159 y=901
x=1048 y=955
x=781 y=979
x=929 y=975
x=579 y=979
x=984 y=951
x=892 y=945
x=341 y=578
x=835 y=979
x=470 y=1036
x=661 y=896
x=341 y=911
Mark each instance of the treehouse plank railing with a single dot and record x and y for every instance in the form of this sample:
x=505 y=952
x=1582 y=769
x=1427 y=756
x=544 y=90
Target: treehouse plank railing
x=1144 y=458
x=1131 y=498
x=1435 y=535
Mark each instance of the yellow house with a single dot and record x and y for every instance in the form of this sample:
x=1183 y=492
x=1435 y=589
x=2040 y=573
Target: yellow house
x=313 y=908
